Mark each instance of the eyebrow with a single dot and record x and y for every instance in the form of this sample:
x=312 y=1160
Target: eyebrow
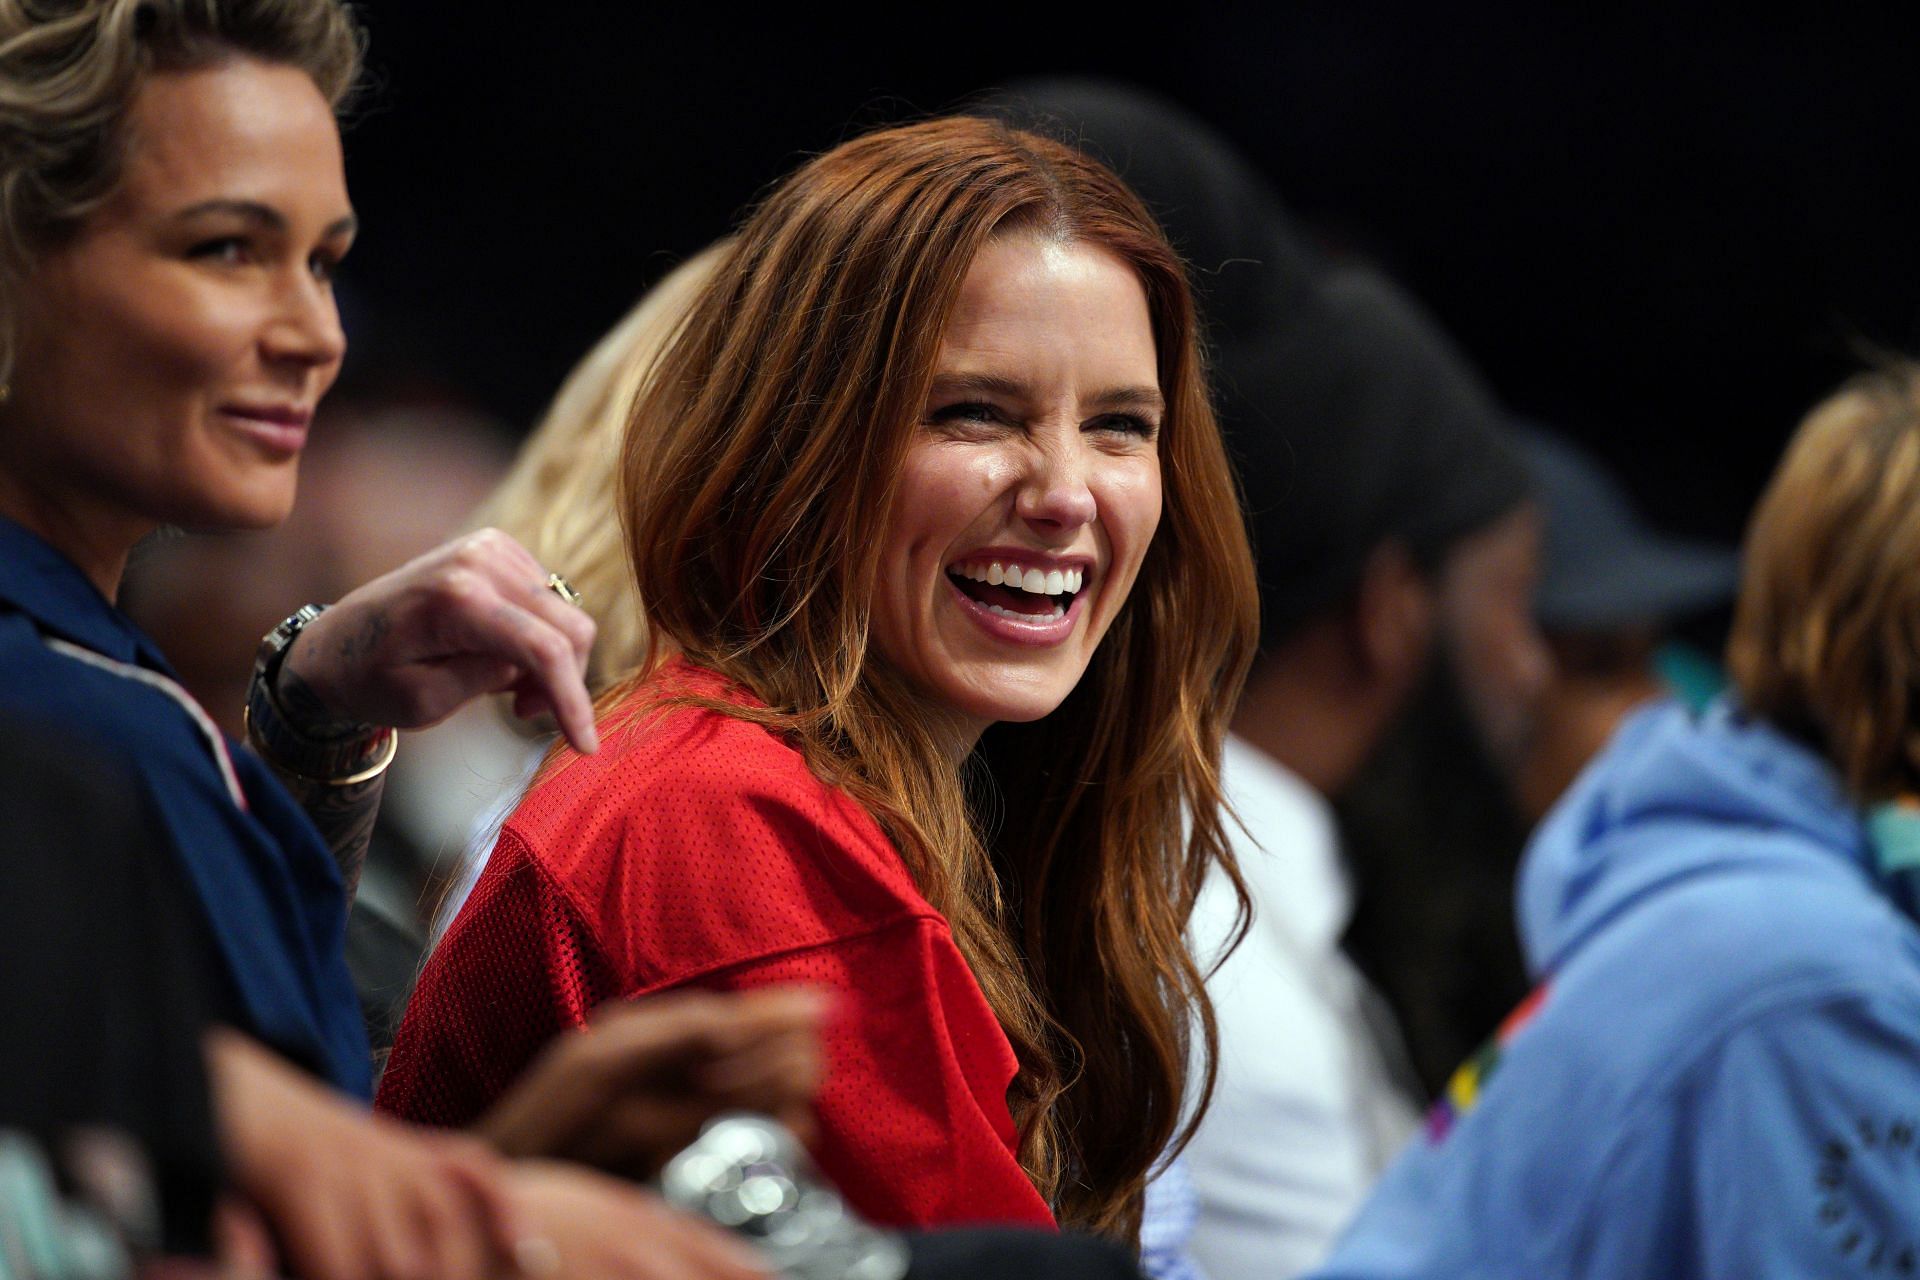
x=980 y=384
x=262 y=214
x=1147 y=399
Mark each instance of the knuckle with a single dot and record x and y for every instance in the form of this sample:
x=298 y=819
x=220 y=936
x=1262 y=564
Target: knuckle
x=414 y=1259
x=463 y=587
x=479 y=549
x=464 y=1151
x=551 y=648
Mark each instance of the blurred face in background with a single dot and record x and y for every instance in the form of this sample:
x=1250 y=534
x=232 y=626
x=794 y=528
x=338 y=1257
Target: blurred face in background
x=1501 y=661
x=1599 y=679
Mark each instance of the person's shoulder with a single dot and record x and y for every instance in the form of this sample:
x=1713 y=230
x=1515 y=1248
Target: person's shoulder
x=1655 y=996
x=675 y=752
x=111 y=710
x=1751 y=934
x=46 y=683
x=1705 y=1010
x=696 y=836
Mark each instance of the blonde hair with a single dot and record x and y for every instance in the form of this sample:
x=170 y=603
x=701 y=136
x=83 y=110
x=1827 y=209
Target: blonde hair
x=759 y=468
x=558 y=498
x=69 y=71
x=1826 y=638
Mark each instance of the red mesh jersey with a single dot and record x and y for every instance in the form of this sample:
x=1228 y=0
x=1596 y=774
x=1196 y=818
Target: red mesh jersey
x=696 y=850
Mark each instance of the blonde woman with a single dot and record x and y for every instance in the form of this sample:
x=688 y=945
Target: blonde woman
x=173 y=206
x=559 y=499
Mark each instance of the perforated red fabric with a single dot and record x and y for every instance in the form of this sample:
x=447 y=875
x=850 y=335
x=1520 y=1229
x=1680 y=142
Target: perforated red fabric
x=698 y=850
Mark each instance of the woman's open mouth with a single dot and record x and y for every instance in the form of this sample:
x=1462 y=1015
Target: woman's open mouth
x=1027 y=596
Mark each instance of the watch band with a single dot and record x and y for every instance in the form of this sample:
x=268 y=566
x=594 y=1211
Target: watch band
x=354 y=755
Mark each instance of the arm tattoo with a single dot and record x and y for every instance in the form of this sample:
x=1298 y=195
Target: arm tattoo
x=344 y=815
x=303 y=707
x=310 y=716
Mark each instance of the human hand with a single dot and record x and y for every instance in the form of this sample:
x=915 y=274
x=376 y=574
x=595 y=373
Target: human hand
x=590 y=1227
x=411 y=647
x=345 y=1194
x=634 y=1087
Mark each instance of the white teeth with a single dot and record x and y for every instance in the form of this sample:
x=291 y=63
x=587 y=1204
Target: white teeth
x=1059 y=611
x=1048 y=582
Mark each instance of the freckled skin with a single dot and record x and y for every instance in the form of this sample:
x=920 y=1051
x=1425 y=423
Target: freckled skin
x=1049 y=464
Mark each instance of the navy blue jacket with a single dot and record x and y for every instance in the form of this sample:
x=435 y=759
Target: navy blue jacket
x=256 y=865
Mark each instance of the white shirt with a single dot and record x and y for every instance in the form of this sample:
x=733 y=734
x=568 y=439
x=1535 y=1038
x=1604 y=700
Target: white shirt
x=1305 y=1115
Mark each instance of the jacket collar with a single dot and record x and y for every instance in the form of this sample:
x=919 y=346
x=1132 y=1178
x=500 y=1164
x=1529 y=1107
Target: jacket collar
x=50 y=589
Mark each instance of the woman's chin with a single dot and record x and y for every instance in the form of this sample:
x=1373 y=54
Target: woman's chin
x=233 y=509
x=1011 y=693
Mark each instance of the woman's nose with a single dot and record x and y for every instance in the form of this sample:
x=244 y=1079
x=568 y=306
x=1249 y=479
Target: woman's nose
x=1056 y=495
x=305 y=326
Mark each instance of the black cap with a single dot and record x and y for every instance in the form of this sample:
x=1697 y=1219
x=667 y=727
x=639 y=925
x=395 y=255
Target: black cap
x=1604 y=566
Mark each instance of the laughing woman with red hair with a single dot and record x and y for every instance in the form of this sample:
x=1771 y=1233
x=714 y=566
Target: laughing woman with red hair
x=948 y=601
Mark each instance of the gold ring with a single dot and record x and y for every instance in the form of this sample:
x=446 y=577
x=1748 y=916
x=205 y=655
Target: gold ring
x=564 y=589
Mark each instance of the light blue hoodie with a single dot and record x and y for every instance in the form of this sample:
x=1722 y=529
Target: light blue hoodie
x=1721 y=1076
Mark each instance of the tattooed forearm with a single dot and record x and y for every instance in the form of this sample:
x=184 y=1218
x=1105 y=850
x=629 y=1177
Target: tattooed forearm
x=304 y=710
x=356 y=646
x=344 y=815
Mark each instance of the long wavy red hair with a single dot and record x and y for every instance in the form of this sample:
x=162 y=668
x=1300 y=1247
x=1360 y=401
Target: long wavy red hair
x=760 y=464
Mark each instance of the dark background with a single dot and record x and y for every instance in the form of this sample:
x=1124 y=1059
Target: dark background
x=1668 y=233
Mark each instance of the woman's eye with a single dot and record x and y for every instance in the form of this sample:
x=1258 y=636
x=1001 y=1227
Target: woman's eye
x=324 y=266
x=966 y=412
x=231 y=251
x=1126 y=424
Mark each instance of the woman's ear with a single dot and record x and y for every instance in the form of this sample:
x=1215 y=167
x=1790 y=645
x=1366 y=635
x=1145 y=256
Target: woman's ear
x=1394 y=611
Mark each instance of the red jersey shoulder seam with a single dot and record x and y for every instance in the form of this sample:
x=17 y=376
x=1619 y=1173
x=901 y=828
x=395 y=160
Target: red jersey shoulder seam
x=531 y=855
x=530 y=859
x=930 y=921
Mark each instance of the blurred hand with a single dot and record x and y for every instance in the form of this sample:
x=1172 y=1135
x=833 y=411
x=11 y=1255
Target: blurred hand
x=634 y=1087
x=590 y=1227
x=344 y=1194
x=411 y=647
